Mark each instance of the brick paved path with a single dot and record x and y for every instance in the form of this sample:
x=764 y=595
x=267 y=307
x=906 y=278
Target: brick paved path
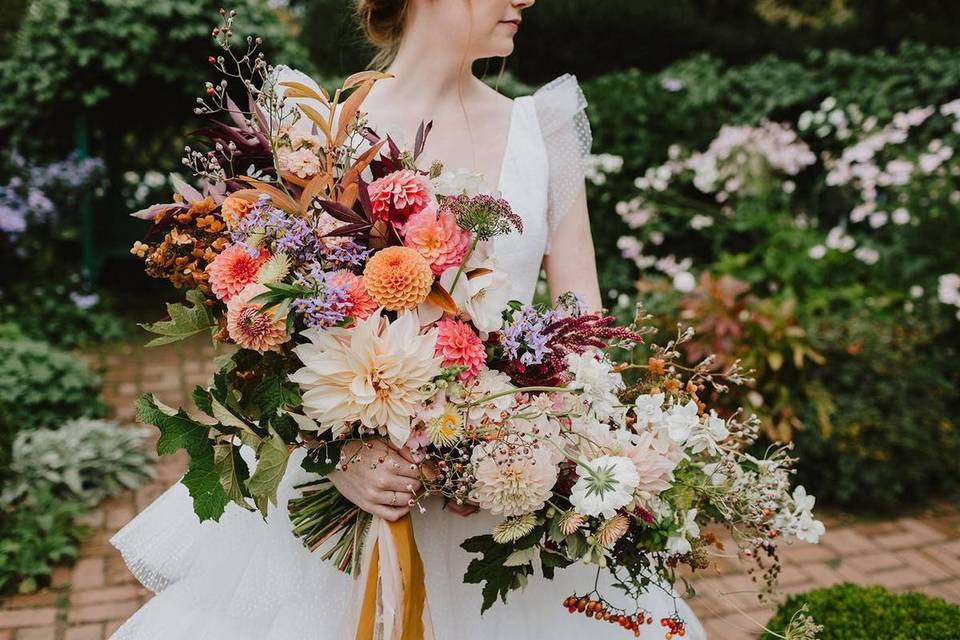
x=91 y=599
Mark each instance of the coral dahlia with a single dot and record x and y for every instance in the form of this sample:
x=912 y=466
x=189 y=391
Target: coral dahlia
x=362 y=304
x=233 y=269
x=457 y=344
x=435 y=235
x=233 y=209
x=251 y=329
x=399 y=195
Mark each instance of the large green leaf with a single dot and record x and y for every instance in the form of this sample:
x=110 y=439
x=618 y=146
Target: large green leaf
x=184 y=321
x=274 y=392
x=272 y=457
x=232 y=471
x=203 y=482
x=177 y=429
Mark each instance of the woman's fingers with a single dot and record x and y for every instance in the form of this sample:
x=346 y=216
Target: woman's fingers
x=390 y=514
x=391 y=482
x=393 y=499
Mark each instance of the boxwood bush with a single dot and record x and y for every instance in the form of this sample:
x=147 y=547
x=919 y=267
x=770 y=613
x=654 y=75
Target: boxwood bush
x=851 y=612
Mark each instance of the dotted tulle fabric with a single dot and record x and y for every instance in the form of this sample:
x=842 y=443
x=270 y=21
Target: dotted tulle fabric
x=561 y=112
x=246 y=578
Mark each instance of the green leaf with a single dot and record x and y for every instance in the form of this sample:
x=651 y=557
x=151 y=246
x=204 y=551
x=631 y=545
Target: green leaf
x=202 y=398
x=184 y=321
x=272 y=457
x=232 y=471
x=203 y=482
x=274 y=392
x=177 y=431
x=490 y=569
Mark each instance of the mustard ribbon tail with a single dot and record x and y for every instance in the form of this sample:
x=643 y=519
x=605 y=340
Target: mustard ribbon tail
x=414 y=595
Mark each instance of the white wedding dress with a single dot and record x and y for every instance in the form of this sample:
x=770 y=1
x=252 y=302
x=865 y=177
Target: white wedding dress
x=249 y=579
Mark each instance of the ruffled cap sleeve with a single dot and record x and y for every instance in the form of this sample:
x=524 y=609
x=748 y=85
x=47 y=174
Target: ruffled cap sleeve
x=561 y=112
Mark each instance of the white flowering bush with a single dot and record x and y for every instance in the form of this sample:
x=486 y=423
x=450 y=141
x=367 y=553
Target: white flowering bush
x=820 y=249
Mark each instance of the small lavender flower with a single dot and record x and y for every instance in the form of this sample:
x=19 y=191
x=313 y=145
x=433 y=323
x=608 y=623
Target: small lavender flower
x=328 y=307
x=527 y=333
x=287 y=233
x=347 y=255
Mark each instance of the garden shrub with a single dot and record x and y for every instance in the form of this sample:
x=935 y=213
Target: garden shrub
x=880 y=427
x=35 y=536
x=41 y=387
x=84 y=460
x=851 y=612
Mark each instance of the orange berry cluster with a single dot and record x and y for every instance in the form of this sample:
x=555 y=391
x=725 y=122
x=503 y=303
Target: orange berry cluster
x=596 y=609
x=675 y=627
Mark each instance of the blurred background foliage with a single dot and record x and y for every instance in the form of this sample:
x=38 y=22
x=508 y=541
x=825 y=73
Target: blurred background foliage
x=850 y=323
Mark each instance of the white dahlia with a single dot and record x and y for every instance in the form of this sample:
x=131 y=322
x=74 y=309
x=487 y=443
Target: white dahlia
x=605 y=484
x=373 y=373
x=511 y=481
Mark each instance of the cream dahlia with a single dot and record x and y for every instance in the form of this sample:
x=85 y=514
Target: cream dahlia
x=251 y=329
x=511 y=479
x=435 y=235
x=398 y=278
x=374 y=373
x=233 y=269
x=457 y=344
x=399 y=195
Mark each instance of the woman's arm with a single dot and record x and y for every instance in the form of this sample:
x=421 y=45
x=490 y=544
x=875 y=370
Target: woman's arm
x=571 y=264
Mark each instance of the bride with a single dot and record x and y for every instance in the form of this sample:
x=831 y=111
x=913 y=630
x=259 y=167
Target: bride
x=246 y=578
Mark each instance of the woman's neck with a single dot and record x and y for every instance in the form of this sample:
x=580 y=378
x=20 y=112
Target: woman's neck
x=429 y=71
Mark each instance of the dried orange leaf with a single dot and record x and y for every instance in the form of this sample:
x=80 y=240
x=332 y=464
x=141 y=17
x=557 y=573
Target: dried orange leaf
x=363 y=76
x=439 y=296
x=300 y=90
x=279 y=198
x=317 y=118
x=349 y=111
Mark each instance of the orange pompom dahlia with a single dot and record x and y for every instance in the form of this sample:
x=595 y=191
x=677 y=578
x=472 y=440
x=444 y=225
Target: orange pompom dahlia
x=398 y=278
x=233 y=209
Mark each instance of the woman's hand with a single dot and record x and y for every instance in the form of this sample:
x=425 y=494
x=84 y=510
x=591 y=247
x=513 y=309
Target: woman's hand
x=380 y=489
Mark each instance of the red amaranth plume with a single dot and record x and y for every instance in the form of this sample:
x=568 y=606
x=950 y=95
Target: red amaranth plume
x=570 y=334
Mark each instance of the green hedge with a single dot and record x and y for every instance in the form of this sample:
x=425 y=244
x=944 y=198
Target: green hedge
x=41 y=387
x=851 y=612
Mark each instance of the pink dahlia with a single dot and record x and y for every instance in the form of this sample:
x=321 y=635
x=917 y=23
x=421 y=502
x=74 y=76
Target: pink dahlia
x=435 y=235
x=233 y=269
x=251 y=329
x=399 y=195
x=362 y=304
x=457 y=344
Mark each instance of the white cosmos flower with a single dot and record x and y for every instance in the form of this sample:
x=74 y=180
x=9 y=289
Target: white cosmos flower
x=595 y=376
x=708 y=435
x=649 y=410
x=604 y=485
x=681 y=421
x=374 y=373
x=689 y=529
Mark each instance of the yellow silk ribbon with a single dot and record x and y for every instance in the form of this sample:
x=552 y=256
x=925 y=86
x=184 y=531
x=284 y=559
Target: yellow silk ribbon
x=414 y=588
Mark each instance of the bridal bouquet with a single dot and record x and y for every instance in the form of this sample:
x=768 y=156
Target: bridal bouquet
x=362 y=300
